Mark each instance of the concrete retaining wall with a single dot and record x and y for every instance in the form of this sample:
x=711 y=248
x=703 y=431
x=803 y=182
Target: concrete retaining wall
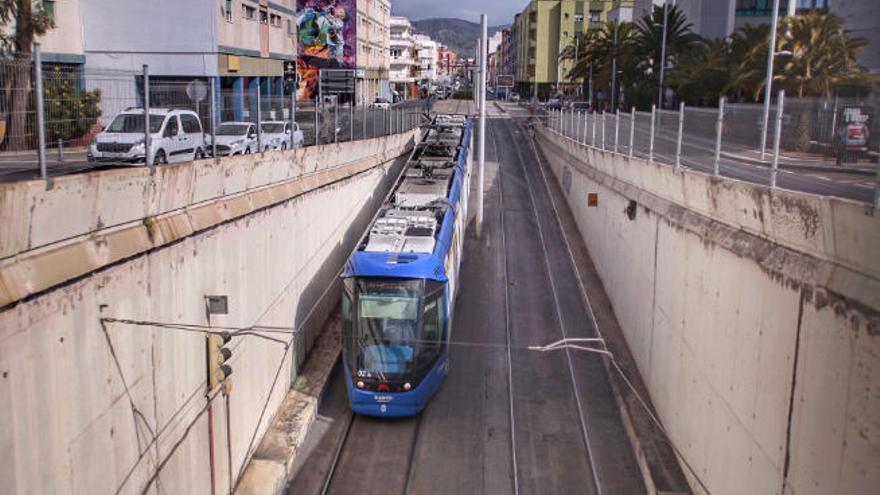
x=116 y=407
x=752 y=315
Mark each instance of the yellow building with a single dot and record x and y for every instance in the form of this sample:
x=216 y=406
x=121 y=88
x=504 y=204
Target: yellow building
x=542 y=30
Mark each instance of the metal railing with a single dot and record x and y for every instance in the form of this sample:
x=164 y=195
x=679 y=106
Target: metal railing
x=721 y=140
x=51 y=114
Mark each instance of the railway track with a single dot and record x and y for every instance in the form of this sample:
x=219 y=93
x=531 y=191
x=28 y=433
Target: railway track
x=557 y=307
x=349 y=438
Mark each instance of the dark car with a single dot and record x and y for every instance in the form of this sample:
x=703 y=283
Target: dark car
x=580 y=106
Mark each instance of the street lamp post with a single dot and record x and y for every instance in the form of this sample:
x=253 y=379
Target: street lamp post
x=614 y=67
x=663 y=53
x=771 y=55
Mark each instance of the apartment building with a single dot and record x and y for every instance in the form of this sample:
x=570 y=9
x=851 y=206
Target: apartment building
x=239 y=45
x=404 y=64
x=543 y=29
x=508 y=52
x=426 y=51
x=373 y=50
x=447 y=61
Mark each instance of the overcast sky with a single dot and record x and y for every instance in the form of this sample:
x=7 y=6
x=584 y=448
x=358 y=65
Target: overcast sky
x=499 y=11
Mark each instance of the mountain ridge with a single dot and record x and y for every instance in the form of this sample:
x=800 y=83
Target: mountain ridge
x=459 y=35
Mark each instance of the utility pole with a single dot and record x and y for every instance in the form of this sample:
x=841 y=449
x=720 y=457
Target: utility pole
x=663 y=54
x=768 y=87
x=481 y=143
x=614 y=67
x=590 y=90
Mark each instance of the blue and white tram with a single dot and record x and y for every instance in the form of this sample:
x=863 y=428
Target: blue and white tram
x=401 y=282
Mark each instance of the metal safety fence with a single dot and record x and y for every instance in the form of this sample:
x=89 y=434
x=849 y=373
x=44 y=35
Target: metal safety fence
x=802 y=134
x=59 y=118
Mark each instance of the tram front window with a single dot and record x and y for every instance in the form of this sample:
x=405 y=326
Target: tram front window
x=388 y=317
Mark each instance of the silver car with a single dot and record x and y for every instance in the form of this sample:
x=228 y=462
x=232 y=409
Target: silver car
x=278 y=135
x=235 y=138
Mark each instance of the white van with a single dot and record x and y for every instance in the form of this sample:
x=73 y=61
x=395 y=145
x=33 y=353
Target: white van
x=175 y=136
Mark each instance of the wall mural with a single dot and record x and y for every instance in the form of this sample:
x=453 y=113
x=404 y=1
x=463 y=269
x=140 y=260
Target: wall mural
x=326 y=39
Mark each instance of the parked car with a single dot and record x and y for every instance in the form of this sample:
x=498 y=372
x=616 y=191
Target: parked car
x=514 y=97
x=381 y=103
x=235 y=138
x=175 y=136
x=580 y=106
x=553 y=104
x=277 y=135
x=852 y=142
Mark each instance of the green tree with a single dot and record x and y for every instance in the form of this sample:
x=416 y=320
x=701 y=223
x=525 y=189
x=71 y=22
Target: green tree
x=702 y=75
x=596 y=53
x=680 y=40
x=70 y=111
x=24 y=20
x=822 y=55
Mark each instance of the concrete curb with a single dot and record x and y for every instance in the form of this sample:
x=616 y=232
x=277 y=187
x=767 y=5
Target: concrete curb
x=271 y=464
x=71 y=149
x=803 y=168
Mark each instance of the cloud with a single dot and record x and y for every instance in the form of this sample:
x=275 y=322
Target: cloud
x=498 y=11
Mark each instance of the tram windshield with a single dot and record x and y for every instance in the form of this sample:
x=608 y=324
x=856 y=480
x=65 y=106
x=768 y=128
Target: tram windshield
x=388 y=317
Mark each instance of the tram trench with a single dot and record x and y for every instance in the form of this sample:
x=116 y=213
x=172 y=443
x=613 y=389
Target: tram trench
x=464 y=441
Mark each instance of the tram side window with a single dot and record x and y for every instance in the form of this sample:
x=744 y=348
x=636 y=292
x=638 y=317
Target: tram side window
x=432 y=329
x=347 y=334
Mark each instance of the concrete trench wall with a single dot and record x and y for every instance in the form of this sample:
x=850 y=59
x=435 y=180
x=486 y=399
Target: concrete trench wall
x=97 y=408
x=754 y=317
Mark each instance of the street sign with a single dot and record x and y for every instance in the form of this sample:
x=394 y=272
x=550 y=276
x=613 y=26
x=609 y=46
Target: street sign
x=196 y=90
x=504 y=81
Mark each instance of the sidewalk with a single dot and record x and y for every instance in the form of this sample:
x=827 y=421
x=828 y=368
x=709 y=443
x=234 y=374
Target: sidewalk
x=804 y=162
x=271 y=465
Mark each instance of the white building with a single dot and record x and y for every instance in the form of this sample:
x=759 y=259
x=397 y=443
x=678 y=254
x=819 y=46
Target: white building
x=373 y=35
x=494 y=42
x=404 y=65
x=427 y=52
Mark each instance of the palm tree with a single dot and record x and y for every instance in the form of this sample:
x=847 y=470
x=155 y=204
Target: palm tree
x=596 y=52
x=702 y=74
x=747 y=61
x=822 y=55
x=679 y=41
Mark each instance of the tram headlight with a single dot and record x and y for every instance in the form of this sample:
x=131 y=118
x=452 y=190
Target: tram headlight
x=407 y=386
x=360 y=384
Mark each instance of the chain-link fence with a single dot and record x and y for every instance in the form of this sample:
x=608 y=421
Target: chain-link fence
x=805 y=135
x=92 y=118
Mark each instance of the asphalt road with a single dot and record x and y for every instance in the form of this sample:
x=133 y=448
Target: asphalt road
x=698 y=153
x=508 y=419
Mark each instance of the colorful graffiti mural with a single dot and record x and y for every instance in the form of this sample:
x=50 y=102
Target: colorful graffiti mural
x=326 y=39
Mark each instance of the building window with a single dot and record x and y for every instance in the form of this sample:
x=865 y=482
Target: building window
x=578 y=18
x=596 y=16
x=289 y=27
x=248 y=12
x=49 y=7
x=760 y=8
x=275 y=20
x=264 y=16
